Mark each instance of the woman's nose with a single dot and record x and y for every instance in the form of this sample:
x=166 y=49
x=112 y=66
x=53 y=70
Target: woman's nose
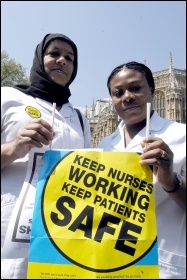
x=61 y=59
x=127 y=96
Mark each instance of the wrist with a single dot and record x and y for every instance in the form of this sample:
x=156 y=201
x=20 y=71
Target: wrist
x=177 y=184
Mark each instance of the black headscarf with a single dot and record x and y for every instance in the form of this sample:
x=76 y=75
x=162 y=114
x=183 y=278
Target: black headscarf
x=40 y=84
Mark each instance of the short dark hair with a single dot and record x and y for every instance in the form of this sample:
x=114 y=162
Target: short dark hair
x=135 y=66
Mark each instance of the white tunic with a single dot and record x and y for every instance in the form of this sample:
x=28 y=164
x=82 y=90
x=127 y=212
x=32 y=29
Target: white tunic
x=171 y=219
x=15 y=106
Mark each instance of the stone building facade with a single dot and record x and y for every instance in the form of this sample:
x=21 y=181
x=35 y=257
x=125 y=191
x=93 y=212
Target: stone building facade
x=170 y=93
x=169 y=101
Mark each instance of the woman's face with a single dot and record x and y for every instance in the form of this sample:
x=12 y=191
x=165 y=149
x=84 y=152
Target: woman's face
x=130 y=93
x=58 y=62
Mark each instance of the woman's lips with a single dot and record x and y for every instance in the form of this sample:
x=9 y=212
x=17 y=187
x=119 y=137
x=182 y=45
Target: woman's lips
x=131 y=108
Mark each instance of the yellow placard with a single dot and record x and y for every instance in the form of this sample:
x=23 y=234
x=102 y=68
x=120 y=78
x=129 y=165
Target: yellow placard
x=97 y=213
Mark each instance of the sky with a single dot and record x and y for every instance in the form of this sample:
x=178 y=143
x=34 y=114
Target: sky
x=107 y=34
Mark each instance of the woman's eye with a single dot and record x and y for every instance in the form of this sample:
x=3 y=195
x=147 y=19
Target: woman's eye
x=54 y=54
x=135 y=88
x=69 y=58
x=118 y=93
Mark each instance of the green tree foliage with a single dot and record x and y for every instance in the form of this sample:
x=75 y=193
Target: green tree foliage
x=11 y=72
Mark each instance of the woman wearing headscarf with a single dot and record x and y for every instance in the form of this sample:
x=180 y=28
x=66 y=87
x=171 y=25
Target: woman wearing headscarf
x=26 y=113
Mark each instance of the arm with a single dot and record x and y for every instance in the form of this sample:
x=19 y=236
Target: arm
x=179 y=196
x=8 y=154
x=33 y=134
x=163 y=168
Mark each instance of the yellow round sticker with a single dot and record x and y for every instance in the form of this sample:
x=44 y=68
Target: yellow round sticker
x=99 y=212
x=32 y=112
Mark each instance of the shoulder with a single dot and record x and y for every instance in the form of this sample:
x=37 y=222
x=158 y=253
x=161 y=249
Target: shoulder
x=174 y=126
x=12 y=98
x=111 y=141
x=106 y=141
x=5 y=90
x=171 y=132
x=82 y=119
x=158 y=122
x=12 y=94
x=79 y=111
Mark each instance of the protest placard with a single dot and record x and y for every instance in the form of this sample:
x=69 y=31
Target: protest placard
x=94 y=217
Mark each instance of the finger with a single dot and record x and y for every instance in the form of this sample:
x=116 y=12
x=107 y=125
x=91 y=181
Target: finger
x=43 y=123
x=36 y=131
x=27 y=136
x=39 y=125
x=158 y=145
x=155 y=162
x=157 y=157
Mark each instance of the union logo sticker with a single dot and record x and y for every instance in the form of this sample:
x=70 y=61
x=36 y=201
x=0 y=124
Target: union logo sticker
x=32 y=112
